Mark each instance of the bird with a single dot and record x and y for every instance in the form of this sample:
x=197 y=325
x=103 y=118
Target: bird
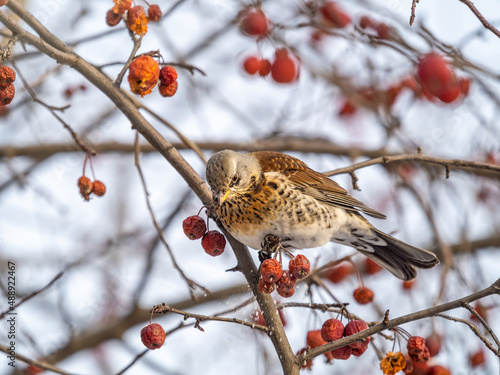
x=267 y=194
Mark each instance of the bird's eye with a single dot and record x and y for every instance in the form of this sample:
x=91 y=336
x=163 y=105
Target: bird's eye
x=235 y=180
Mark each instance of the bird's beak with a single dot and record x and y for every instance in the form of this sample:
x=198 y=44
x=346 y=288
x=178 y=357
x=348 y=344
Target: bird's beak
x=222 y=196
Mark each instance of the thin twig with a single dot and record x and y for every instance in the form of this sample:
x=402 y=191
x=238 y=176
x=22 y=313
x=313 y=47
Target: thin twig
x=413 y=6
x=137 y=45
x=137 y=357
x=41 y=364
x=192 y=284
x=480 y=17
x=484 y=323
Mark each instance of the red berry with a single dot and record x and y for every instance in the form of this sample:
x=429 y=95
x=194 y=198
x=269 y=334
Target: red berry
x=168 y=90
x=251 y=65
x=407 y=285
x=438 y=370
x=383 y=31
x=334 y=15
x=347 y=109
x=213 y=242
x=7 y=94
x=477 y=359
x=367 y=22
x=433 y=343
x=371 y=267
x=464 y=84
x=154 y=13
x=434 y=73
x=194 y=227
x=299 y=266
x=265 y=287
x=339 y=273
x=255 y=23
x=270 y=270
x=357 y=352
x=85 y=186
x=314 y=339
x=264 y=67
x=332 y=330
x=284 y=69
x=363 y=295
x=342 y=353
x=7 y=76
x=285 y=286
x=121 y=6
x=153 y=336
x=258 y=318
x=450 y=92
x=417 y=350
x=98 y=188
x=418 y=368
x=353 y=327
x=112 y=19
x=168 y=75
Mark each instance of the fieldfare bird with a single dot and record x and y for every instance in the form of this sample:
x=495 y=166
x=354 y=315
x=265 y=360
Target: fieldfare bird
x=266 y=193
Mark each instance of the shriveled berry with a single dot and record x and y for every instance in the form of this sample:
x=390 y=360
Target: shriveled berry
x=270 y=270
x=98 y=188
x=264 y=67
x=357 y=352
x=137 y=21
x=363 y=295
x=121 y=6
x=112 y=19
x=213 y=242
x=153 y=336
x=353 y=327
x=299 y=266
x=332 y=329
x=168 y=90
x=7 y=76
x=143 y=75
x=168 y=75
x=285 y=286
x=417 y=350
x=265 y=287
x=285 y=291
x=194 y=227
x=342 y=353
x=255 y=23
x=154 y=13
x=251 y=65
x=7 y=94
x=284 y=68
x=85 y=186
x=392 y=363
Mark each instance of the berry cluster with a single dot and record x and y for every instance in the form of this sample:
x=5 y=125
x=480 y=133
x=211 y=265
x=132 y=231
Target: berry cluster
x=88 y=187
x=7 y=89
x=213 y=241
x=145 y=73
x=135 y=17
x=332 y=330
x=153 y=336
x=273 y=277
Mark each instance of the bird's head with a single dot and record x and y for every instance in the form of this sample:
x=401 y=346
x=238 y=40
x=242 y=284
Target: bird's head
x=230 y=172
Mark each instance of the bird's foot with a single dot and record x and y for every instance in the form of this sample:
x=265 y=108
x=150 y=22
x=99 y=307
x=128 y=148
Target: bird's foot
x=270 y=245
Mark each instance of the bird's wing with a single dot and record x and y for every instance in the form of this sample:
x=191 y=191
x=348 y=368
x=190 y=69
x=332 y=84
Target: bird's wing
x=312 y=183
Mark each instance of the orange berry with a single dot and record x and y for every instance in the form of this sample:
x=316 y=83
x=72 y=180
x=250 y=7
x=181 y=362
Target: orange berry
x=85 y=186
x=7 y=76
x=168 y=90
x=121 y=6
x=264 y=67
x=98 y=188
x=464 y=84
x=154 y=13
x=299 y=266
x=407 y=285
x=270 y=270
x=366 y=22
x=153 y=336
x=332 y=330
x=137 y=21
x=339 y=273
x=438 y=370
x=477 y=359
x=251 y=65
x=265 y=287
x=168 y=75
x=194 y=227
x=7 y=94
x=143 y=75
x=213 y=242
x=255 y=23
x=314 y=339
x=284 y=69
x=371 y=267
x=363 y=295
